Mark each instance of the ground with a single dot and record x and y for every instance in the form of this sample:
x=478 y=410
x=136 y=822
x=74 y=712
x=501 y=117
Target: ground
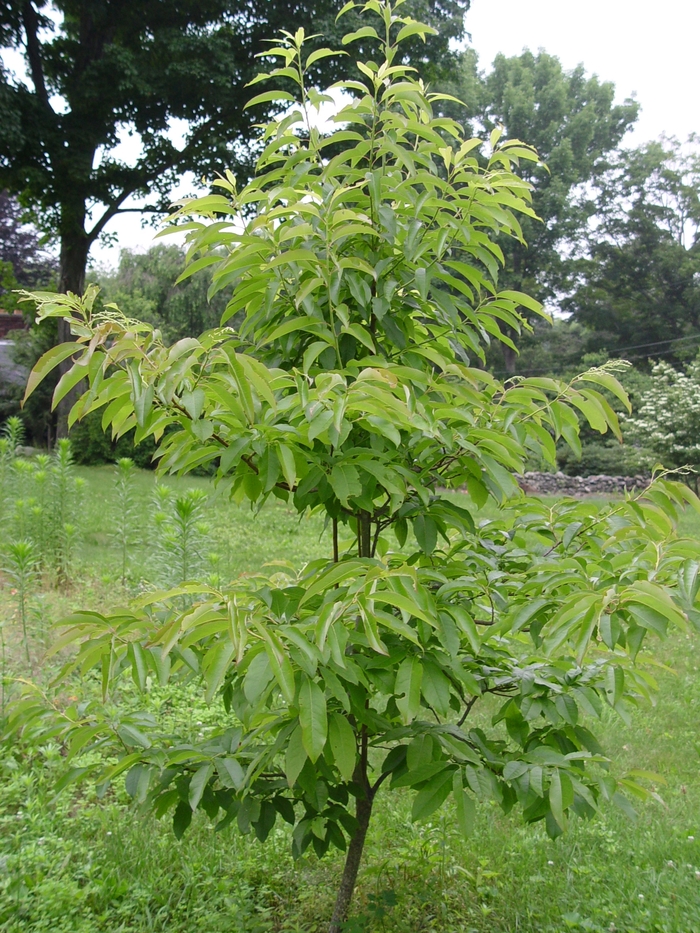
x=75 y=864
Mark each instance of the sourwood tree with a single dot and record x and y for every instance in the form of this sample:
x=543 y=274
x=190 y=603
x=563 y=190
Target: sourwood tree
x=365 y=266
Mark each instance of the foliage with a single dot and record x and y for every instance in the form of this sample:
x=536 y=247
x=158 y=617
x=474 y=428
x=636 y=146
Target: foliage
x=639 y=288
x=95 y=72
x=23 y=262
x=573 y=122
x=39 y=499
x=668 y=419
x=365 y=266
x=76 y=862
x=125 y=512
x=181 y=537
x=22 y=568
x=145 y=288
x=92 y=446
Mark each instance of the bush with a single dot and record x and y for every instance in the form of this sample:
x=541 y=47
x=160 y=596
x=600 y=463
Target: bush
x=92 y=446
x=611 y=459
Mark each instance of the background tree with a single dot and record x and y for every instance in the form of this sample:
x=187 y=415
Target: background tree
x=364 y=287
x=145 y=287
x=99 y=72
x=667 y=422
x=24 y=262
x=639 y=287
x=573 y=122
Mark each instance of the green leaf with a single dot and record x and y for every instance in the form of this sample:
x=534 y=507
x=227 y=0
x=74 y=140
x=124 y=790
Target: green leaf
x=182 y=817
x=268 y=97
x=345 y=481
x=198 y=782
x=432 y=796
x=230 y=773
x=407 y=689
x=555 y=799
x=313 y=718
x=295 y=758
x=343 y=745
x=425 y=530
x=49 y=361
x=464 y=806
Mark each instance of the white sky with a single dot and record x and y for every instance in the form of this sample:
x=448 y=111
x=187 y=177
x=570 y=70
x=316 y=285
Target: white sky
x=650 y=50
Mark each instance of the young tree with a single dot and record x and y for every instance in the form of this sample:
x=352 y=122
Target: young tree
x=365 y=266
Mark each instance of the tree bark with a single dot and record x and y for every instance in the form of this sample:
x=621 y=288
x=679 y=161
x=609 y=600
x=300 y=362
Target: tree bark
x=352 y=864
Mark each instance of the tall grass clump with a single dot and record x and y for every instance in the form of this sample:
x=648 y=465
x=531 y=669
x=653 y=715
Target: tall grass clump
x=182 y=539
x=21 y=566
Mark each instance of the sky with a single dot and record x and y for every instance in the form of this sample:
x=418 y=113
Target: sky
x=649 y=50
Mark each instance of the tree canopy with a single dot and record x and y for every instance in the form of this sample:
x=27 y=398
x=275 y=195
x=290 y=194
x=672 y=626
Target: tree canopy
x=638 y=287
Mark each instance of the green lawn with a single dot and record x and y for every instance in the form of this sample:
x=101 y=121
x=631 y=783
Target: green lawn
x=76 y=864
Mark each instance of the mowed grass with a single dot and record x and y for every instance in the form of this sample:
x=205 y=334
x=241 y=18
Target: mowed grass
x=75 y=864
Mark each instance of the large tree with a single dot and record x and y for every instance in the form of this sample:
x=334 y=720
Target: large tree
x=639 y=285
x=98 y=71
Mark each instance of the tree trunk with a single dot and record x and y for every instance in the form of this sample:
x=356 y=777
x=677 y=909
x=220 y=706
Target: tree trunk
x=352 y=864
x=510 y=357
x=74 y=254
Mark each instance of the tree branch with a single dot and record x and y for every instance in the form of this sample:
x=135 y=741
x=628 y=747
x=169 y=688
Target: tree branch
x=30 y=20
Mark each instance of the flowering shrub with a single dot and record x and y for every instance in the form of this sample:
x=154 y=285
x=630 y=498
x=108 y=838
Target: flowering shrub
x=668 y=420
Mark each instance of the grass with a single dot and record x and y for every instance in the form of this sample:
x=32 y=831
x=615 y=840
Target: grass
x=76 y=864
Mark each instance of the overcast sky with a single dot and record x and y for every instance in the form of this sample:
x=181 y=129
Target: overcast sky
x=644 y=49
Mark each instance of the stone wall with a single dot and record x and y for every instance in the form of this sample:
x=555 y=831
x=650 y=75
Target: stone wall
x=557 y=484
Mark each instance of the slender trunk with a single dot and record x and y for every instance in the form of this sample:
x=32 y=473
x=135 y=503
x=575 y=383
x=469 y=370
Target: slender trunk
x=363 y=807
x=364 y=534
x=74 y=254
x=352 y=864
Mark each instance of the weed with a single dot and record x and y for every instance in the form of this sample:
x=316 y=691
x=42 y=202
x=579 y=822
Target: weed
x=22 y=567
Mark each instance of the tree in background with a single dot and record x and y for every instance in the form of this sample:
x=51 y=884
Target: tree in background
x=145 y=286
x=638 y=288
x=364 y=268
x=98 y=72
x=573 y=122
x=23 y=261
